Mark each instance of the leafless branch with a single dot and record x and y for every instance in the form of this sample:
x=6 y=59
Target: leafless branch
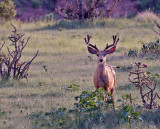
x=2 y=46
x=156 y=24
x=15 y=30
x=156 y=32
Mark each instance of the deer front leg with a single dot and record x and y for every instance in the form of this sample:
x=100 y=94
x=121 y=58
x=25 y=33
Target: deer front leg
x=106 y=98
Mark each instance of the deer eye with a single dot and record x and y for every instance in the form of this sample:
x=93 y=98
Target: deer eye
x=97 y=54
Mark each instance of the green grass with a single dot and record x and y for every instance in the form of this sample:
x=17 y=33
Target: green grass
x=61 y=47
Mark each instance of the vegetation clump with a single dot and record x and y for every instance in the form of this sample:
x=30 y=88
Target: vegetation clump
x=90 y=107
x=152 y=47
x=7 y=10
x=129 y=112
x=132 y=53
x=153 y=5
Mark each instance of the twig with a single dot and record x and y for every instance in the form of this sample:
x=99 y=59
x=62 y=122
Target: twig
x=2 y=46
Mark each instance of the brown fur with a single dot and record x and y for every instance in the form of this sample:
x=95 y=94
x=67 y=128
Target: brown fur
x=105 y=77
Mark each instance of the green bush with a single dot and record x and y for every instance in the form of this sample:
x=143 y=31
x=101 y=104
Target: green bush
x=90 y=110
x=90 y=107
x=7 y=9
x=129 y=112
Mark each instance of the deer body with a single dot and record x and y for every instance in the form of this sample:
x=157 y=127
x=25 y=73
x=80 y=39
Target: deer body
x=104 y=75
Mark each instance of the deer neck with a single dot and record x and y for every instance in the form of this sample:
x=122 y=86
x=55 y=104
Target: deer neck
x=101 y=68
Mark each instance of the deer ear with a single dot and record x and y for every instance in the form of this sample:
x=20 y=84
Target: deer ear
x=92 y=51
x=111 y=50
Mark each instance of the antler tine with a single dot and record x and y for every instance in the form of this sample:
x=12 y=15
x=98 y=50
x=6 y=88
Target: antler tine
x=114 y=42
x=87 y=40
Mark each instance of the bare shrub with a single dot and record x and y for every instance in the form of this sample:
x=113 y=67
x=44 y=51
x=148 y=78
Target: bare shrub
x=85 y=9
x=11 y=64
x=145 y=84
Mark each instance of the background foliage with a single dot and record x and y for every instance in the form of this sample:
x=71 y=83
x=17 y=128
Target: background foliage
x=7 y=9
x=153 y=5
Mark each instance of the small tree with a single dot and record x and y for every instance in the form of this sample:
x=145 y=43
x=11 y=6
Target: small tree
x=7 y=9
x=11 y=64
x=145 y=84
x=85 y=9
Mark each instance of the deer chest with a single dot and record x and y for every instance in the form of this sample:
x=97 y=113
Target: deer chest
x=105 y=78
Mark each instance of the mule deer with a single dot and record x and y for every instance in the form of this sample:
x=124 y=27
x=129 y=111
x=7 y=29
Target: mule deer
x=104 y=75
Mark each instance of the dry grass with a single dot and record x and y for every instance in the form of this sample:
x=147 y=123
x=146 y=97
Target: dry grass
x=147 y=16
x=64 y=53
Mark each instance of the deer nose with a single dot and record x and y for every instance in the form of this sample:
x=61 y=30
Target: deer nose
x=101 y=60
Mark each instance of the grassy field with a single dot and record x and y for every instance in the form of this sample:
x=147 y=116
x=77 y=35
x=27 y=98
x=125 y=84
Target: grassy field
x=62 y=49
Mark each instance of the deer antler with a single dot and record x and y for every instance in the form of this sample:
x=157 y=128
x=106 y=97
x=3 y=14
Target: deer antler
x=87 y=40
x=115 y=41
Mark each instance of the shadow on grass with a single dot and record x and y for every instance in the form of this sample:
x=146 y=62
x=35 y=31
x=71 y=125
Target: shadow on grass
x=125 y=87
x=152 y=117
x=35 y=95
x=111 y=120
x=96 y=23
x=108 y=120
x=6 y=84
x=67 y=24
